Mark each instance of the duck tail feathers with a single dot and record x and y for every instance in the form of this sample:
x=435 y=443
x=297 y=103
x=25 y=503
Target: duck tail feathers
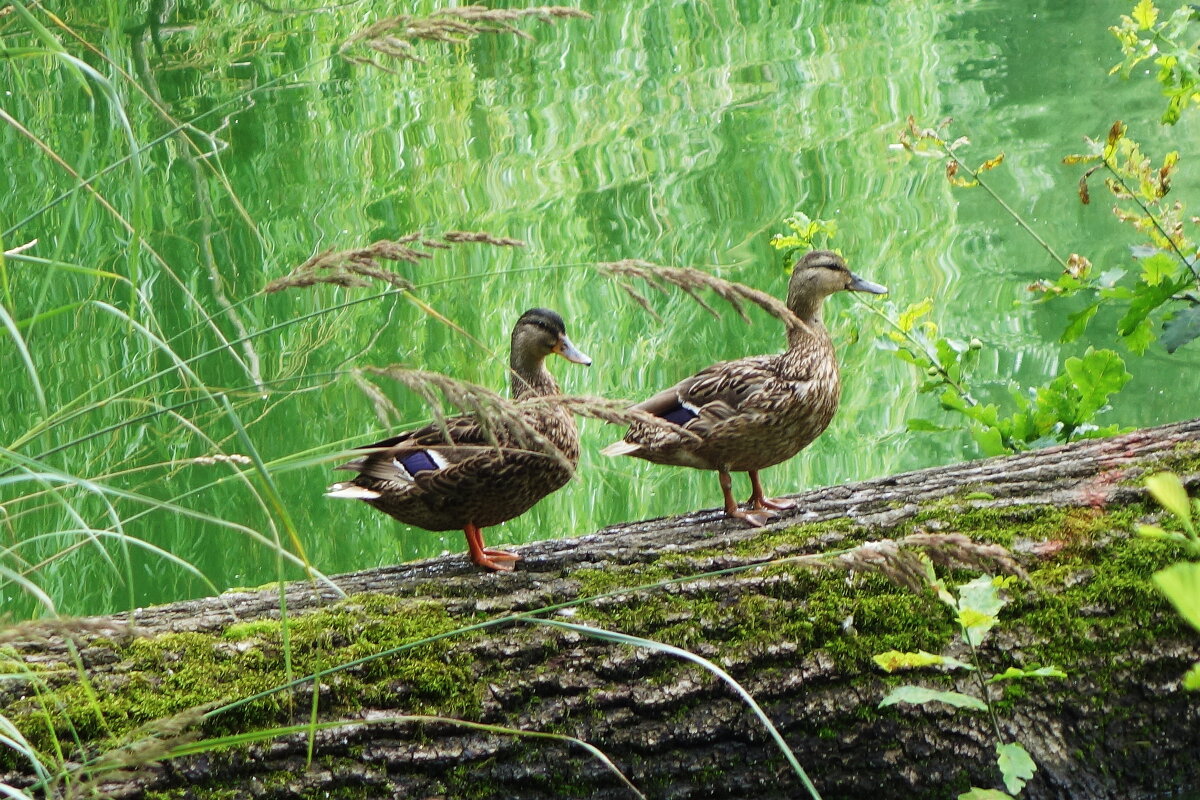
x=621 y=448
x=352 y=491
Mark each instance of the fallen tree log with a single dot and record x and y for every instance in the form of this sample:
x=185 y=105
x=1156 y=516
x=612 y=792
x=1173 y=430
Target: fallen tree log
x=116 y=705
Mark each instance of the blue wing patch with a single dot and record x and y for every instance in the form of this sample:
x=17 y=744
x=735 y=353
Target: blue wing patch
x=417 y=461
x=679 y=415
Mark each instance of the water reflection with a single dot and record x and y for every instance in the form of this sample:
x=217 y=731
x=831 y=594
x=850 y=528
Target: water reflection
x=681 y=134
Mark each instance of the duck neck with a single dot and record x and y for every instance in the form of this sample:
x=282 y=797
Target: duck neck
x=808 y=309
x=530 y=378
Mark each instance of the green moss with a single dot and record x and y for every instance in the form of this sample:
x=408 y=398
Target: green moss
x=247 y=630
x=793 y=539
x=1091 y=599
x=1184 y=459
x=169 y=674
x=595 y=582
x=11 y=663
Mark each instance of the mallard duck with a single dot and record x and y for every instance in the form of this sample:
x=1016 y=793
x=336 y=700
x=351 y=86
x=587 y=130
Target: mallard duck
x=468 y=482
x=755 y=412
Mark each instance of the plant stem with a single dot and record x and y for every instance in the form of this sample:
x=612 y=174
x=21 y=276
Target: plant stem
x=1025 y=226
x=1153 y=219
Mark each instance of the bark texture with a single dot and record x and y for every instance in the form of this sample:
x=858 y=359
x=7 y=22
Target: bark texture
x=799 y=639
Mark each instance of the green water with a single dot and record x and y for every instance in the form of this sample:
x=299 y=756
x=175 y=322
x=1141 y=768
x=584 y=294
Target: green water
x=681 y=133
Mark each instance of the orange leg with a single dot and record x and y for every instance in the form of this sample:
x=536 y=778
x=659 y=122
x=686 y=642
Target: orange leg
x=486 y=557
x=731 y=506
x=758 y=502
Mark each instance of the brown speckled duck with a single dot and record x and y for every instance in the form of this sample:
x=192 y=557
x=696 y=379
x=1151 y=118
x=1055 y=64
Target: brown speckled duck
x=755 y=412
x=467 y=483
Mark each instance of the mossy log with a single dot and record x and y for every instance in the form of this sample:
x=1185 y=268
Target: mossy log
x=798 y=637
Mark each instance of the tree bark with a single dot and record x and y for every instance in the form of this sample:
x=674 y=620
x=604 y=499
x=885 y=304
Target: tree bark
x=798 y=638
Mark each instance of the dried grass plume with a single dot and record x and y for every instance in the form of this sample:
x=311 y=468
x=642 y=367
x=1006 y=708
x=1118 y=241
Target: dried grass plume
x=690 y=281
x=905 y=561
x=393 y=37
x=357 y=268
x=505 y=422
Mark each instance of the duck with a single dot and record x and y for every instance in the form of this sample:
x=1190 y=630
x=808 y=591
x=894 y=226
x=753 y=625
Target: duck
x=455 y=477
x=752 y=413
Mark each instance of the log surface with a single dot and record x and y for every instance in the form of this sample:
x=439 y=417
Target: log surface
x=798 y=641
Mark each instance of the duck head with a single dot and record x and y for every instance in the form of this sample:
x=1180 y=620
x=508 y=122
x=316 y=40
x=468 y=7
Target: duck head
x=819 y=274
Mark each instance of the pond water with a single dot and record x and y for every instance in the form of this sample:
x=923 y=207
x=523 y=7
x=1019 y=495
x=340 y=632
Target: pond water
x=681 y=133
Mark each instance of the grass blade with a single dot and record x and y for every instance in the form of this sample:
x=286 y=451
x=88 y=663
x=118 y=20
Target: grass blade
x=18 y=340
x=660 y=647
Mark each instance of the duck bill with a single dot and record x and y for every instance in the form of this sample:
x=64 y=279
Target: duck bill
x=858 y=284
x=568 y=351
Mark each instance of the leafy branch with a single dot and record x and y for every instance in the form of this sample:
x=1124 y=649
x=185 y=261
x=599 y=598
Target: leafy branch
x=976 y=606
x=1062 y=410
x=929 y=143
x=1168 y=256
x=1143 y=37
x=804 y=236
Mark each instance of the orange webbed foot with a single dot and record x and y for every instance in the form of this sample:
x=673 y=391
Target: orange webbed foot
x=486 y=557
x=498 y=560
x=753 y=519
x=771 y=503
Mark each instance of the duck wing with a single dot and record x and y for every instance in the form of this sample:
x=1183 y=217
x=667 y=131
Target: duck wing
x=714 y=394
x=414 y=457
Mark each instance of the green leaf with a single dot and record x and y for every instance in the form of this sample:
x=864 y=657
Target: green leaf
x=985 y=794
x=1017 y=674
x=988 y=415
x=1145 y=300
x=983 y=595
x=972 y=618
x=1158 y=534
x=1168 y=490
x=894 y=660
x=1099 y=374
x=1140 y=338
x=953 y=401
x=908 y=317
x=925 y=426
x=979 y=604
x=1157 y=268
x=1078 y=322
x=1191 y=681
x=990 y=441
x=1015 y=765
x=1182 y=329
x=1145 y=14
x=920 y=694
x=1180 y=583
x=781 y=242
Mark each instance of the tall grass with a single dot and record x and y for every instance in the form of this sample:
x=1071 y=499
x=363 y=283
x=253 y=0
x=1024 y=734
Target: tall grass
x=167 y=425
x=153 y=194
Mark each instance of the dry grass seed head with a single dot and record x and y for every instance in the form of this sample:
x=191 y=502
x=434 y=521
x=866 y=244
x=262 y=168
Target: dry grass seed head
x=690 y=281
x=903 y=562
x=356 y=268
x=505 y=424
x=392 y=37
x=956 y=550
